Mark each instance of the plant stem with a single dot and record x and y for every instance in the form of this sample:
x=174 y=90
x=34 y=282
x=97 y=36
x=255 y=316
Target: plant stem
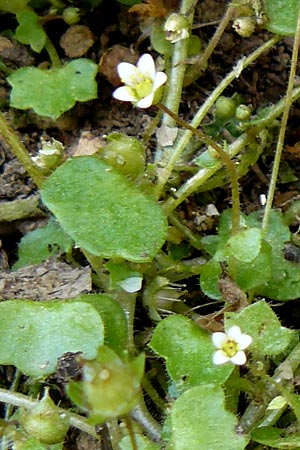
x=142 y=416
x=20 y=152
x=217 y=36
x=179 y=58
x=22 y=401
x=53 y=55
x=238 y=145
x=256 y=411
x=227 y=161
x=284 y=120
x=166 y=171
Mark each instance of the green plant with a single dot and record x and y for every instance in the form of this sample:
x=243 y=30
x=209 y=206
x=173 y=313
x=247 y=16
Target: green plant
x=119 y=210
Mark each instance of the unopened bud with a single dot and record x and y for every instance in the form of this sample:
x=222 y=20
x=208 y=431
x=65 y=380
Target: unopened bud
x=176 y=28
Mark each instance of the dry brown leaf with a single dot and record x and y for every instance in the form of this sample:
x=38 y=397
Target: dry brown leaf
x=77 y=40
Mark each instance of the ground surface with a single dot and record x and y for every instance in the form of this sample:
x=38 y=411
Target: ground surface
x=84 y=126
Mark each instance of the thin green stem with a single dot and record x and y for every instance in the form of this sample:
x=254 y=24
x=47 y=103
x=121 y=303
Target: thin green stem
x=284 y=120
x=237 y=146
x=227 y=161
x=20 y=152
x=179 y=58
x=142 y=416
x=53 y=55
x=22 y=401
x=166 y=171
x=217 y=36
x=256 y=411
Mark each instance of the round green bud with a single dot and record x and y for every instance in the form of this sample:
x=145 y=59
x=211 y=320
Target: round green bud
x=225 y=108
x=45 y=422
x=243 y=112
x=244 y=26
x=125 y=154
x=71 y=15
x=111 y=388
x=176 y=28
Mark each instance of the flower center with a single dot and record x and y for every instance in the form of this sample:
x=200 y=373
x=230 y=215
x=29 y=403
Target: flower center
x=230 y=348
x=144 y=88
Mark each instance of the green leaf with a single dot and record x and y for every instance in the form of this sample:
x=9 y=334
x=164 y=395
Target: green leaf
x=188 y=351
x=114 y=320
x=30 y=31
x=276 y=438
x=37 y=245
x=142 y=443
x=199 y=421
x=52 y=92
x=250 y=275
x=42 y=332
x=103 y=211
x=124 y=277
x=34 y=444
x=245 y=245
x=281 y=16
x=209 y=278
x=260 y=322
x=13 y=6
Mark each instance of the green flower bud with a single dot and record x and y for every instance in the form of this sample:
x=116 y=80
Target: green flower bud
x=244 y=26
x=71 y=15
x=125 y=154
x=110 y=387
x=50 y=156
x=176 y=28
x=225 y=108
x=243 y=112
x=45 y=422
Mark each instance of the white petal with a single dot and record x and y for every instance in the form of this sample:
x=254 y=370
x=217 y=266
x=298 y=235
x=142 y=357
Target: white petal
x=160 y=79
x=244 y=341
x=220 y=357
x=234 y=333
x=219 y=339
x=239 y=358
x=146 y=66
x=146 y=102
x=129 y=74
x=125 y=93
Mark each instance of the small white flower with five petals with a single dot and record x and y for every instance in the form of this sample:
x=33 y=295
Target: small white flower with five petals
x=231 y=346
x=141 y=82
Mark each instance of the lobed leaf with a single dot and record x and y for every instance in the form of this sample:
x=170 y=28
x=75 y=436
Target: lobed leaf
x=52 y=92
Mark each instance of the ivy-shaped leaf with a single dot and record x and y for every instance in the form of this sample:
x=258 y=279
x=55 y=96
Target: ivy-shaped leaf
x=30 y=30
x=103 y=211
x=52 y=92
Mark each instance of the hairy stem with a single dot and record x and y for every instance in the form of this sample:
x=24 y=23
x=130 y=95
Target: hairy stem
x=20 y=151
x=237 y=146
x=22 y=401
x=227 y=161
x=207 y=105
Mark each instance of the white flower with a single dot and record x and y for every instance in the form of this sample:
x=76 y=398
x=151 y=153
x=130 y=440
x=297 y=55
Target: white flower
x=230 y=346
x=141 y=82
